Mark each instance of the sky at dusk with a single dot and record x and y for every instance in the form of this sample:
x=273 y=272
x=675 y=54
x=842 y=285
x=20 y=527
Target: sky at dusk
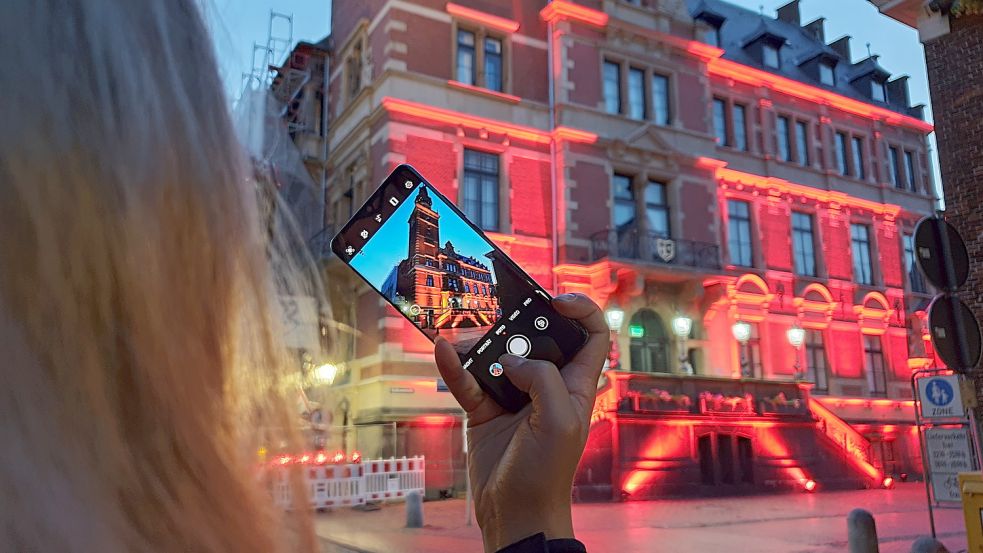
x=237 y=24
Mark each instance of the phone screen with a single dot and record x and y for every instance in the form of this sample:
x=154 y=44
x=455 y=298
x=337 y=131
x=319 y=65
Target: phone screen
x=443 y=274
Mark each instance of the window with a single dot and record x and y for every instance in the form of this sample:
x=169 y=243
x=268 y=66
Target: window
x=657 y=209
x=355 y=70
x=909 y=170
x=739 y=233
x=636 y=93
x=915 y=279
x=841 y=153
x=769 y=55
x=624 y=202
x=712 y=36
x=802 y=142
x=466 y=62
x=826 y=75
x=740 y=127
x=612 y=87
x=894 y=162
x=784 y=143
x=467 y=288
x=429 y=280
x=649 y=347
x=720 y=129
x=751 y=356
x=480 y=195
x=803 y=244
x=816 y=365
x=877 y=91
x=860 y=242
x=874 y=365
x=660 y=98
x=858 y=157
x=493 y=64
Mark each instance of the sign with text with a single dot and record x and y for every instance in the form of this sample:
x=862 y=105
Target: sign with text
x=940 y=397
x=949 y=453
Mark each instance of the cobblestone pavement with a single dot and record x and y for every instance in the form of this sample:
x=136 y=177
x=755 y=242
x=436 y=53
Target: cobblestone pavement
x=788 y=523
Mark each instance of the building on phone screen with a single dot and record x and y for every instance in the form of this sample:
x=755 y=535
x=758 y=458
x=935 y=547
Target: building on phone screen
x=435 y=285
x=735 y=190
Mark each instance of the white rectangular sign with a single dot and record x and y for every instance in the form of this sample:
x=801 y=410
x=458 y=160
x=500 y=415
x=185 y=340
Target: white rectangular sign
x=949 y=453
x=940 y=398
x=300 y=323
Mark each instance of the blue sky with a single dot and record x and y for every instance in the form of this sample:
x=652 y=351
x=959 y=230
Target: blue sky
x=237 y=24
x=390 y=244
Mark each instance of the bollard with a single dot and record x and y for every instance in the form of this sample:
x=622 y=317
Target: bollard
x=861 y=532
x=414 y=510
x=928 y=544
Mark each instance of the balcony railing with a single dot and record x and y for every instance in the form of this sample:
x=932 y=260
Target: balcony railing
x=638 y=245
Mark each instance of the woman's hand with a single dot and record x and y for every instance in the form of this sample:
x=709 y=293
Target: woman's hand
x=522 y=465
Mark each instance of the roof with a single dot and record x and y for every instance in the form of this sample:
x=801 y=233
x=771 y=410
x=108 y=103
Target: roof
x=742 y=27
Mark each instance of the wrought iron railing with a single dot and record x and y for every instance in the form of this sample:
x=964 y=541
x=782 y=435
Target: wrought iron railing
x=635 y=244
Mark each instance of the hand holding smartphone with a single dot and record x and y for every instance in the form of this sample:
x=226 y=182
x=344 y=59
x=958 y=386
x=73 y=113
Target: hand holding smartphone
x=444 y=275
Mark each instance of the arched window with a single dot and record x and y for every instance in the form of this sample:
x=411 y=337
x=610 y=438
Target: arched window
x=649 y=342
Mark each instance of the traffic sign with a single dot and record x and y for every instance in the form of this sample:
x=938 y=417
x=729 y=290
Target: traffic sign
x=948 y=317
x=940 y=397
x=937 y=244
x=949 y=454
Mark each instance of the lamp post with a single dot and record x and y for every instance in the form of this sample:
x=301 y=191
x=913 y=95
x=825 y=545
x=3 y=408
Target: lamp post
x=615 y=317
x=742 y=333
x=796 y=335
x=681 y=327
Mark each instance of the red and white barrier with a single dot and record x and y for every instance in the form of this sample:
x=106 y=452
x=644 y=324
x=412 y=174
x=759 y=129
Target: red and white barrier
x=349 y=484
x=393 y=478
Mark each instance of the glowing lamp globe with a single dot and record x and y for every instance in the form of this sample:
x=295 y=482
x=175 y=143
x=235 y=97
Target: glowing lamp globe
x=796 y=336
x=615 y=317
x=325 y=373
x=682 y=325
x=741 y=331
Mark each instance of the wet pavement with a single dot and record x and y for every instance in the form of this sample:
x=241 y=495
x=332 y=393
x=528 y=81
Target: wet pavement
x=788 y=523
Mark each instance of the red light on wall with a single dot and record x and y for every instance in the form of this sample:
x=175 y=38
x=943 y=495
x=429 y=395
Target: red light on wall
x=435 y=419
x=439 y=115
x=486 y=19
x=756 y=77
x=563 y=9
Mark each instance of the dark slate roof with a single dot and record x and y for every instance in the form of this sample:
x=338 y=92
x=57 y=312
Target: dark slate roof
x=742 y=26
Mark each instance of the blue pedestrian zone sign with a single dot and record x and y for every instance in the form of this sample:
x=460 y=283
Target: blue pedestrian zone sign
x=939 y=396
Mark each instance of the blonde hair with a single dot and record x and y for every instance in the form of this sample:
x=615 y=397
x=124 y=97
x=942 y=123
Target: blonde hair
x=139 y=353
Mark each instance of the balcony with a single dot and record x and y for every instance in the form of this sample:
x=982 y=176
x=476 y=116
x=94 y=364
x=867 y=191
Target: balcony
x=634 y=244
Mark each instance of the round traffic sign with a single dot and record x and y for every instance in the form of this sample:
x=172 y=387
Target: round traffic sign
x=932 y=237
x=946 y=315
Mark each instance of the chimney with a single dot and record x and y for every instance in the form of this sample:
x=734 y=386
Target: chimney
x=817 y=29
x=897 y=91
x=842 y=47
x=789 y=13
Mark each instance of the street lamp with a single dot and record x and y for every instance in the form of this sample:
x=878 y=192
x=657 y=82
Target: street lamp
x=742 y=333
x=326 y=373
x=681 y=327
x=615 y=317
x=796 y=335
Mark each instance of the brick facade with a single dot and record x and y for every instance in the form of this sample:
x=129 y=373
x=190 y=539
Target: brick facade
x=957 y=96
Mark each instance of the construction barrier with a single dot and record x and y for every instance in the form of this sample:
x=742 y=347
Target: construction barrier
x=349 y=484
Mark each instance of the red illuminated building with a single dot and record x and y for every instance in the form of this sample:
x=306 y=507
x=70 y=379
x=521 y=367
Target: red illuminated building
x=692 y=166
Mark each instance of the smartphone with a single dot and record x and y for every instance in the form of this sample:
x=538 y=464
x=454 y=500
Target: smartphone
x=442 y=273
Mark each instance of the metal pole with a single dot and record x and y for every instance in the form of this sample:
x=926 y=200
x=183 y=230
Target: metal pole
x=926 y=473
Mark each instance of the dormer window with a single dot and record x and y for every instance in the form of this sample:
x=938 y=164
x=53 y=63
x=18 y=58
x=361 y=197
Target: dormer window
x=713 y=22
x=769 y=55
x=826 y=75
x=712 y=36
x=877 y=91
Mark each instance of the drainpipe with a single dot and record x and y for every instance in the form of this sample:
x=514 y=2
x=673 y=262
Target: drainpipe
x=554 y=193
x=325 y=106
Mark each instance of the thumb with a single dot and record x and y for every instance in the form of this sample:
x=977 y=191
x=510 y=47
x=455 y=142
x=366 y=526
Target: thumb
x=542 y=381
